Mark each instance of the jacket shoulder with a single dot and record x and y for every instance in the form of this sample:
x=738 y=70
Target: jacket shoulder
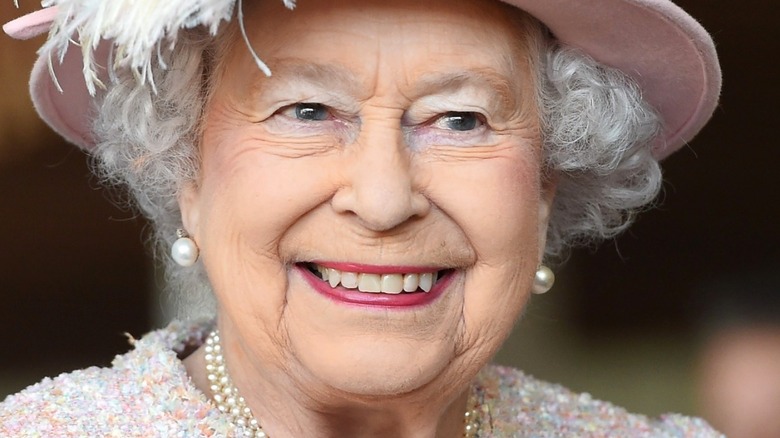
x=146 y=392
x=519 y=405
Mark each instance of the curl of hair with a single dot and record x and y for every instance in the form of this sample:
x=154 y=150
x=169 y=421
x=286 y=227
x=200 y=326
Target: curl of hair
x=597 y=134
x=148 y=143
x=596 y=129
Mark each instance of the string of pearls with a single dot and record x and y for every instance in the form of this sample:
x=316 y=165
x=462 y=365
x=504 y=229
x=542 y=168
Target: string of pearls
x=229 y=401
x=225 y=395
x=471 y=418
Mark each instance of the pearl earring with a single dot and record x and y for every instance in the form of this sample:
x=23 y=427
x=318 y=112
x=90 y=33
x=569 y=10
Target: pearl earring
x=184 y=250
x=543 y=280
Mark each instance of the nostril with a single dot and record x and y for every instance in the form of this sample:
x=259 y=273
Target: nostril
x=380 y=209
x=380 y=189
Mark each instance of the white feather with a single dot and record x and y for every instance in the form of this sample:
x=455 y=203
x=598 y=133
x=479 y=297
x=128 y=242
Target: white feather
x=137 y=28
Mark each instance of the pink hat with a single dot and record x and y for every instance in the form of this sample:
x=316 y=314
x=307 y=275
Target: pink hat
x=654 y=41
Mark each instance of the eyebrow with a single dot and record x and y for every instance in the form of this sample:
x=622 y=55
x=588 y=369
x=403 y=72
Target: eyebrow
x=499 y=85
x=341 y=79
x=329 y=76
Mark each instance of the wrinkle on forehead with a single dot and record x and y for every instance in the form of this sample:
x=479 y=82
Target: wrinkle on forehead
x=507 y=74
x=327 y=76
x=268 y=21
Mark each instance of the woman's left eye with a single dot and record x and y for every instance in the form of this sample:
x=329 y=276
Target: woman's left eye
x=459 y=121
x=315 y=112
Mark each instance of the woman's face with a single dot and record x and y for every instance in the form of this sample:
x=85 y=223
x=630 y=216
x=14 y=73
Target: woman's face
x=395 y=142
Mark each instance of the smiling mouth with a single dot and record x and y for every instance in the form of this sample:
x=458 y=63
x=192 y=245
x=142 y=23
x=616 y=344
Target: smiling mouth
x=378 y=283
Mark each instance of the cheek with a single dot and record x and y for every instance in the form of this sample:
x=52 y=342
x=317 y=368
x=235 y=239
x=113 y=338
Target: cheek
x=257 y=193
x=248 y=202
x=495 y=201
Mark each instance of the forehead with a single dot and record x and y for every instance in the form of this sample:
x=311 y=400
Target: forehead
x=416 y=42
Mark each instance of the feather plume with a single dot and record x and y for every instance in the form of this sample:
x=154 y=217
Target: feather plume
x=138 y=29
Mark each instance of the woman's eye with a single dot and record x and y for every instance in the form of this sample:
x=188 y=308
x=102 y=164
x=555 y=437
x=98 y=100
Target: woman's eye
x=459 y=121
x=309 y=111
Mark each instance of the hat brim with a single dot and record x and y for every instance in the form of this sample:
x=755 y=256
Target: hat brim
x=68 y=109
x=666 y=51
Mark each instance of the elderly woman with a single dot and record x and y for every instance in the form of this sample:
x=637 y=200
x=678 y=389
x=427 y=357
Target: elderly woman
x=367 y=189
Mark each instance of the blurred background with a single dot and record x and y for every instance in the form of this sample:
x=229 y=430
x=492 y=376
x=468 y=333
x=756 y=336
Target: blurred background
x=679 y=314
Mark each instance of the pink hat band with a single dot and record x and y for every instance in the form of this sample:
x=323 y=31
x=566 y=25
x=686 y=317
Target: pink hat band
x=659 y=45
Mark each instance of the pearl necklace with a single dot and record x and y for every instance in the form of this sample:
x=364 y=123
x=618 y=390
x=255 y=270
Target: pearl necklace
x=230 y=403
x=224 y=394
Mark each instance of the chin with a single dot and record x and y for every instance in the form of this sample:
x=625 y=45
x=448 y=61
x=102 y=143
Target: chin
x=365 y=366
x=373 y=350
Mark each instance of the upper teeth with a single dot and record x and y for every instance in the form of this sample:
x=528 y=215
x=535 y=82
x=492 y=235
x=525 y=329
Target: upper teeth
x=376 y=283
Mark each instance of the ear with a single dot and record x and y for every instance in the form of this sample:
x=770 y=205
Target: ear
x=548 y=189
x=190 y=209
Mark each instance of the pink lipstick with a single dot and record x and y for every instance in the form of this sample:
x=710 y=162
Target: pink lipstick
x=382 y=300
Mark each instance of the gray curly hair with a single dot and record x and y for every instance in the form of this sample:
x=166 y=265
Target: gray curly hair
x=596 y=128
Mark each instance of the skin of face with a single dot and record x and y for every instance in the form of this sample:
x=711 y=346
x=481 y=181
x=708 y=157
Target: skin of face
x=390 y=134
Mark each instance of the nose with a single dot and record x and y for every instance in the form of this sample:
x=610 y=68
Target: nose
x=380 y=189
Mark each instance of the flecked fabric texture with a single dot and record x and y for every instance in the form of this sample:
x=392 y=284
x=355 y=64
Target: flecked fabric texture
x=147 y=393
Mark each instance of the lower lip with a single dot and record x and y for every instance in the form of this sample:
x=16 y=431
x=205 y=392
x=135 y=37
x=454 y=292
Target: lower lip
x=352 y=296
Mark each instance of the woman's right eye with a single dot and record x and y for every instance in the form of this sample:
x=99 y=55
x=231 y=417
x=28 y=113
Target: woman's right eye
x=311 y=120
x=313 y=112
